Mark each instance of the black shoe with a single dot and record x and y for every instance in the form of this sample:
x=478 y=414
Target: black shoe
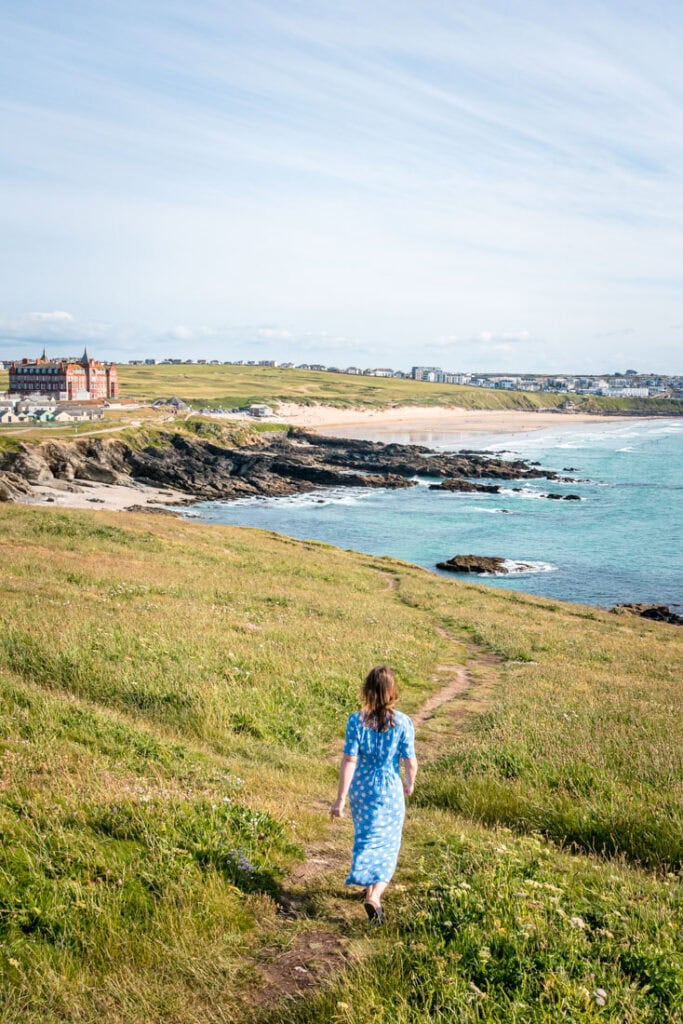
x=375 y=914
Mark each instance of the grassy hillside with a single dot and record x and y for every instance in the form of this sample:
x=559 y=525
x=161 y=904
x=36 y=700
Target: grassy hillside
x=232 y=386
x=168 y=695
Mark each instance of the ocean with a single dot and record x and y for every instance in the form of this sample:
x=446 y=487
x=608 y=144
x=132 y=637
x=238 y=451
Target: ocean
x=621 y=543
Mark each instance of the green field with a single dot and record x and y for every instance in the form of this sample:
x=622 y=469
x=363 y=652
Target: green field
x=235 y=386
x=169 y=696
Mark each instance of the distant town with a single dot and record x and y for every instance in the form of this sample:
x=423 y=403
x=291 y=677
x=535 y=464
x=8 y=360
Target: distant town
x=627 y=384
x=74 y=389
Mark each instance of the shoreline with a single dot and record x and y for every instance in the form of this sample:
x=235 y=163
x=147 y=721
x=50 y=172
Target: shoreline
x=423 y=417
x=352 y=425
x=109 y=497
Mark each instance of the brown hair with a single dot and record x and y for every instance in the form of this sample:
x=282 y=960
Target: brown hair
x=379 y=694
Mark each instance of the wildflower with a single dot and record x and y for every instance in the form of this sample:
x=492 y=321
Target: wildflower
x=484 y=954
x=520 y=895
x=600 y=997
x=343 y=1006
x=577 y=922
x=14 y=962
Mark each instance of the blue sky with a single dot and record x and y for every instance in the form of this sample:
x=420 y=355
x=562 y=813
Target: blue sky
x=479 y=185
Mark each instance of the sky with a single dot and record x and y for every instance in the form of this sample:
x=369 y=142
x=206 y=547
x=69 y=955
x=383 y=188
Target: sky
x=487 y=186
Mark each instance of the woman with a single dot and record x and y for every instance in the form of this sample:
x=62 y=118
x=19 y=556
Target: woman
x=378 y=738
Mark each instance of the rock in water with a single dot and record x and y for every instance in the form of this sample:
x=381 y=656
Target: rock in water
x=655 y=612
x=454 y=484
x=488 y=565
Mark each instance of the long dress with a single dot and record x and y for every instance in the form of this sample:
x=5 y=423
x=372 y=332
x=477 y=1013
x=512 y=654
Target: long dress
x=376 y=796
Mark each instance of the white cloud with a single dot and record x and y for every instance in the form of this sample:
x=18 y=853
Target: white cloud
x=58 y=316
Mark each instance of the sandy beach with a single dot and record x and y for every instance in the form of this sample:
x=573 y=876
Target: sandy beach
x=112 y=497
x=406 y=417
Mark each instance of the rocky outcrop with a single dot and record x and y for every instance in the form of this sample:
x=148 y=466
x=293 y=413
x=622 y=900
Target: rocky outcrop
x=417 y=460
x=655 y=612
x=481 y=565
x=466 y=486
x=273 y=464
x=13 y=487
x=564 y=497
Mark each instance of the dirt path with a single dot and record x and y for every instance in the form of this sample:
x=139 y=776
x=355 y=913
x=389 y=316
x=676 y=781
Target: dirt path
x=328 y=932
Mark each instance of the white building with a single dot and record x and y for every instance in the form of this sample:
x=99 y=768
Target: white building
x=432 y=374
x=625 y=392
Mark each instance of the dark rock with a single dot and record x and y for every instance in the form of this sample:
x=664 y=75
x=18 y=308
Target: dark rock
x=453 y=484
x=570 y=469
x=564 y=497
x=655 y=612
x=475 y=564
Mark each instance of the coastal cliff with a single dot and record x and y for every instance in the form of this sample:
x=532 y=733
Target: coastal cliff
x=279 y=463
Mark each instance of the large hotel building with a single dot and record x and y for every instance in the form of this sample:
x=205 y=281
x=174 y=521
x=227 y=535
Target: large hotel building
x=65 y=379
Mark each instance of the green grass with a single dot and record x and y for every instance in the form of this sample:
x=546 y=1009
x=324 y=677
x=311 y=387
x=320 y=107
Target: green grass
x=168 y=693
x=491 y=928
x=236 y=386
x=556 y=753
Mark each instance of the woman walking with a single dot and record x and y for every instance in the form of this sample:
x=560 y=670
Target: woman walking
x=378 y=738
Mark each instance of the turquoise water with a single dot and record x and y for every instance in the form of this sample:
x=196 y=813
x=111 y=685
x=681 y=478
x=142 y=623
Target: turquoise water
x=621 y=543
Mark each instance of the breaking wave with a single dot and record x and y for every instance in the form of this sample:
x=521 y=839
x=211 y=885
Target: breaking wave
x=515 y=568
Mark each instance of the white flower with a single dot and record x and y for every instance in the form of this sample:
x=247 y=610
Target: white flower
x=577 y=922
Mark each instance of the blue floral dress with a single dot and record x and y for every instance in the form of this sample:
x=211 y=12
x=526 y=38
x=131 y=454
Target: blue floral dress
x=376 y=796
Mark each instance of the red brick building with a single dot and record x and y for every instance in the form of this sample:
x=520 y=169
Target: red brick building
x=66 y=379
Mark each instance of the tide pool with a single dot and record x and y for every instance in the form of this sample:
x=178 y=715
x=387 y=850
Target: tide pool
x=621 y=543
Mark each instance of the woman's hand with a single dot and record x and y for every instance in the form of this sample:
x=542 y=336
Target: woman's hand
x=337 y=809
x=408 y=788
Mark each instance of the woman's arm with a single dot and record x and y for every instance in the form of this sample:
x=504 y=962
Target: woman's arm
x=347 y=770
x=410 y=769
